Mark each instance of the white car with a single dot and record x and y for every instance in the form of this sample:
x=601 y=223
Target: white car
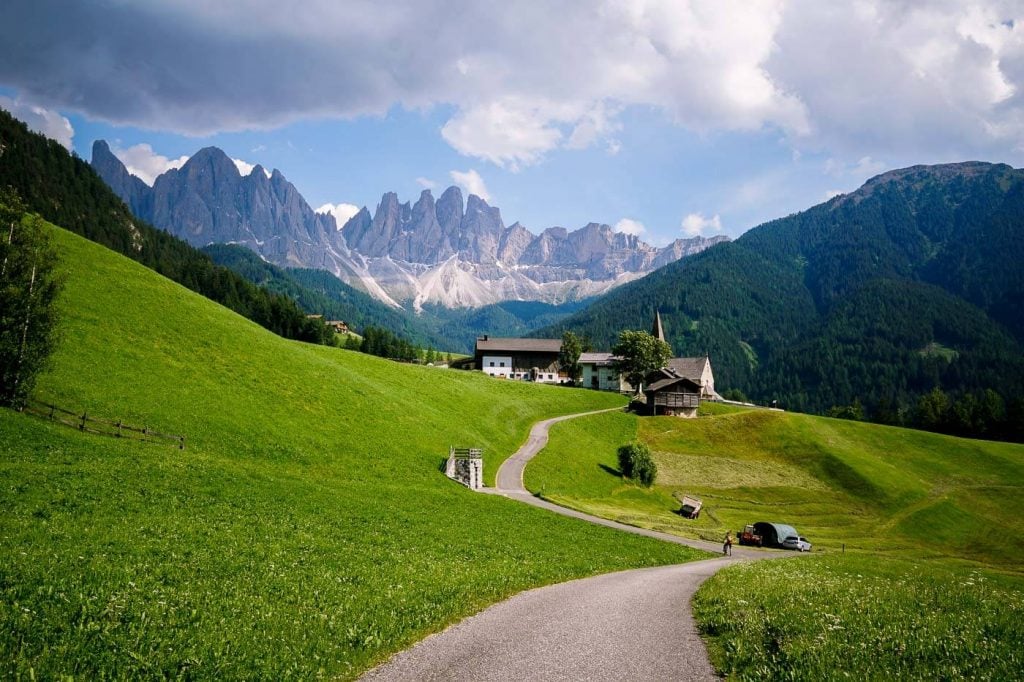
x=797 y=542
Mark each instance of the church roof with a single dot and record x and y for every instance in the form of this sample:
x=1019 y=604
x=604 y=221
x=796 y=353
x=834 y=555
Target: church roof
x=689 y=367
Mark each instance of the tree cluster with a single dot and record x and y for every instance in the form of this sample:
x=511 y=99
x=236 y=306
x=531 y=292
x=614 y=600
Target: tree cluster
x=386 y=344
x=639 y=353
x=29 y=287
x=977 y=414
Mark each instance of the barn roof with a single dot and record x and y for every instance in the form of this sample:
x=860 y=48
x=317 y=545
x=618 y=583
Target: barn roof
x=664 y=383
x=492 y=345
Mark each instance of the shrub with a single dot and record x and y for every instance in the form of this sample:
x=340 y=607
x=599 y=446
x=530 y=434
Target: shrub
x=635 y=462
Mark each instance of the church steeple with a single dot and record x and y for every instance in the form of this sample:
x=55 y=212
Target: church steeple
x=658 y=330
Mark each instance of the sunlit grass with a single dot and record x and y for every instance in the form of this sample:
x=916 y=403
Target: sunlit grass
x=854 y=617
x=305 y=532
x=929 y=586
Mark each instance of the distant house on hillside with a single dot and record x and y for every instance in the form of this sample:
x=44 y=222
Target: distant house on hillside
x=599 y=373
x=671 y=394
x=520 y=359
x=339 y=326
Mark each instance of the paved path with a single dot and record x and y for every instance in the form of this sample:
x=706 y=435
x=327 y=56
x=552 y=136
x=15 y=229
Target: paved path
x=631 y=625
x=510 y=484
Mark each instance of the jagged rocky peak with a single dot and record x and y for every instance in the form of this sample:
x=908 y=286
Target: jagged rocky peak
x=450 y=210
x=514 y=241
x=132 y=190
x=481 y=232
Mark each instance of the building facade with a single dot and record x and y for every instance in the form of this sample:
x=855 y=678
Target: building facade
x=599 y=373
x=520 y=359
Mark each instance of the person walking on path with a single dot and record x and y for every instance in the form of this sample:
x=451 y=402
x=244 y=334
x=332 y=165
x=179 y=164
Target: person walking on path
x=727 y=545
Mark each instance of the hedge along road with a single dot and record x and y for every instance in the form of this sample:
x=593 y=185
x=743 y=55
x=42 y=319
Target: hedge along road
x=627 y=625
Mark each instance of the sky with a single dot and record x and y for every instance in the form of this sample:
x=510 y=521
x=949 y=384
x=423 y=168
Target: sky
x=662 y=118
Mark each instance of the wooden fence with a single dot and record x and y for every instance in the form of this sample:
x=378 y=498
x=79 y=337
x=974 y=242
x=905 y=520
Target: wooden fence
x=103 y=427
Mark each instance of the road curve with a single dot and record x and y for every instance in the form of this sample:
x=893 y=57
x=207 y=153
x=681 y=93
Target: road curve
x=510 y=484
x=631 y=625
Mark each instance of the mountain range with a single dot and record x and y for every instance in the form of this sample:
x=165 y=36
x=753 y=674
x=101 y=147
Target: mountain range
x=912 y=282
x=450 y=251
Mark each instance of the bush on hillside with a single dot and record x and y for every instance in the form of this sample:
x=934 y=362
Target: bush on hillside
x=636 y=462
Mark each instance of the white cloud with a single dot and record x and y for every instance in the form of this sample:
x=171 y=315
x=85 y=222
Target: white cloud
x=341 y=212
x=145 y=164
x=426 y=183
x=246 y=168
x=43 y=121
x=879 y=78
x=695 y=224
x=511 y=132
x=630 y=226
x=862 y=168
x=472 y=183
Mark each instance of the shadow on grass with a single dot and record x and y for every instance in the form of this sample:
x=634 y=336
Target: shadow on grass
x=611 y=470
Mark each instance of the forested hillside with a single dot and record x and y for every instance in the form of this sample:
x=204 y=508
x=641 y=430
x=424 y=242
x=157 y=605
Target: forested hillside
x=911 y=283
x=64 y=190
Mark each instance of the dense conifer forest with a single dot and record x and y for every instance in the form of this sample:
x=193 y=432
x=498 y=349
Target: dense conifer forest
x=64 y=190
x=865 y=305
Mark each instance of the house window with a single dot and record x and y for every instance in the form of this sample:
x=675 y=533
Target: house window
x=502 y=364
x=492 y=363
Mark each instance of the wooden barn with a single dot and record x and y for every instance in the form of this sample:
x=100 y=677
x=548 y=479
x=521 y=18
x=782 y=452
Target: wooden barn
x=670 y=394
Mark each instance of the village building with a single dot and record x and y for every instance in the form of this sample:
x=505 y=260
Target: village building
x=599 y=373
x=670 y=394
x=699 y=371
x=520 y=359
x=339 y=326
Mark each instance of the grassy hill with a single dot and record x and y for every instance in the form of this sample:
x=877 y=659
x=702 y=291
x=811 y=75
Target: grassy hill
x=929 y=586
x=305 y=531
x=865 y=486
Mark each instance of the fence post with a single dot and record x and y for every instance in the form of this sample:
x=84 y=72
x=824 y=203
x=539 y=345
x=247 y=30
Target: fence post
x=182 y=445
x=118 y=428
x=81 y=427
x=51 y=412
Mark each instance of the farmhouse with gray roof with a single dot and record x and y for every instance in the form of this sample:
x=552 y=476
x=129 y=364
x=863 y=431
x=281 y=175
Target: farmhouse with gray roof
x=520 y=359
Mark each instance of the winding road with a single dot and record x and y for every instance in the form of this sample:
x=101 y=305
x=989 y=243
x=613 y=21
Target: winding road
x=631 y=625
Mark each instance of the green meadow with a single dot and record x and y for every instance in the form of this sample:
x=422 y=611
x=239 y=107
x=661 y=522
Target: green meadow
x=306 y=531
x=901 y=520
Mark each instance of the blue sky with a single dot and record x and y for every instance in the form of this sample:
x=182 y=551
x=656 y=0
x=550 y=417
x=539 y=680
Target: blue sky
x=663 y=118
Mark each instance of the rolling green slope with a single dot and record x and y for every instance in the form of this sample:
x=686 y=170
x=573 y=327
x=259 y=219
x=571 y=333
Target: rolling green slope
x=916 y=568
x=866 y=486
x=306 y=530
